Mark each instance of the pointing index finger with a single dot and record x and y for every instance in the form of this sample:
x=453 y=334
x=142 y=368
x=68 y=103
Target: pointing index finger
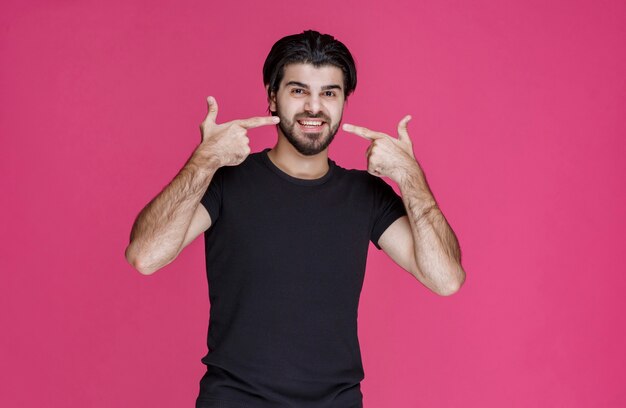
x=258 y=121
x=363 y=132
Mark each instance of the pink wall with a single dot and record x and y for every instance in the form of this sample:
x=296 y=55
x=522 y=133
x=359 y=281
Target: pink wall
x=518 y=121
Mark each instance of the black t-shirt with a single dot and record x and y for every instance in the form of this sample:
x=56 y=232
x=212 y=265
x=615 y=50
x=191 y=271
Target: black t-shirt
x=285 y=266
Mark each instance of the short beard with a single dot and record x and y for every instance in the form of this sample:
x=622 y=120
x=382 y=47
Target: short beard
x=307 y=149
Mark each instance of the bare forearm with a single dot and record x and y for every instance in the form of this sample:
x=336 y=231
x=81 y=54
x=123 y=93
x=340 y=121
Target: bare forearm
x=437 y=251
x=159 y=230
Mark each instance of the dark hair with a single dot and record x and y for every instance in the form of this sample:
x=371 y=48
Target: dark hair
x=309 y=47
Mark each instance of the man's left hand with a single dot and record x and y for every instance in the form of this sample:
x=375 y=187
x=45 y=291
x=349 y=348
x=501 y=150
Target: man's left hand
x=388 y=156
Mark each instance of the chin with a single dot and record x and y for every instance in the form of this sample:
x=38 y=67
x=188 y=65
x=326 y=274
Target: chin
x=312 y=146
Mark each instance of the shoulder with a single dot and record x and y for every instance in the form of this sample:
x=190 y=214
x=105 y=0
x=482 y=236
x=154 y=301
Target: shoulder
x=250 y=164
x=350 y=174
x=361 y=178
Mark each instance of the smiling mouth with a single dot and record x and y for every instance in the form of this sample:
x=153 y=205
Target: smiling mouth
x=311 y=125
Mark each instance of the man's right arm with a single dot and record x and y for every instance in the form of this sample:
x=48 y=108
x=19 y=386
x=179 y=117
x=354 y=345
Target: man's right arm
x=173 y=218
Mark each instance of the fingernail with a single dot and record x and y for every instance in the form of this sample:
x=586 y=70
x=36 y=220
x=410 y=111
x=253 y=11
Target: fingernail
x=275 y=119
x=347 y=127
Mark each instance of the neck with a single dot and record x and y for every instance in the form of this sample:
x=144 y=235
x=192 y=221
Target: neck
x=288 y=159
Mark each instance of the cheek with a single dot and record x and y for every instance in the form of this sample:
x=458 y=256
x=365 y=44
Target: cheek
x=288 y=108
x=337 y=114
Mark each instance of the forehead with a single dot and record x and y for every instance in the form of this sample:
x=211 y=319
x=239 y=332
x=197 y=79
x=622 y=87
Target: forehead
x=314 y=77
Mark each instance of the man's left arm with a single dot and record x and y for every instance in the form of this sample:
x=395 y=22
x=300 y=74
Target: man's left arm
x=423 y=242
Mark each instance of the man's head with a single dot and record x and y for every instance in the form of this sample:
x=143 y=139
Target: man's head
x=308 y=78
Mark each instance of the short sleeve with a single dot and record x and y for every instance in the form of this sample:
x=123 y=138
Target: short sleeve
x=387 y=208
x=212 y=198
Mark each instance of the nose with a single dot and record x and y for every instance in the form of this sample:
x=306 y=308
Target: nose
x=312 y=104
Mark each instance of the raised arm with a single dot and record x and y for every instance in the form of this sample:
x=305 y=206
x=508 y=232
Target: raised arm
x=173 y=218
x=422 y=243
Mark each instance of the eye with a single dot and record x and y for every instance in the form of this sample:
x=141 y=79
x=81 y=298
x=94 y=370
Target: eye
x=297 y=91
x=330 y=94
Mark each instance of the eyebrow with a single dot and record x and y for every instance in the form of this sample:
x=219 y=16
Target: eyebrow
x=305 y=86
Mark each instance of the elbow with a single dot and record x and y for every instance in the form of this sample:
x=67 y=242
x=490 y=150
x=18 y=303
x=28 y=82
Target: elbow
x=448 y=290
x=139 y=263
x=144 y=269
x=454 y=284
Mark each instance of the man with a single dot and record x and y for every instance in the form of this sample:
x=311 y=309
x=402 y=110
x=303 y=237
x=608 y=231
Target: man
x=287 y=232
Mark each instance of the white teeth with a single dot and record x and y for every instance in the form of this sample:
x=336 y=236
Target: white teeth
x=310 y=123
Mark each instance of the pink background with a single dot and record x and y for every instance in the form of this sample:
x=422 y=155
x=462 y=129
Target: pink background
x=518 y=123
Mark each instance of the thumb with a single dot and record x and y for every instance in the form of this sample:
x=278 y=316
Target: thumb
x=212 y=104
x=403 y=134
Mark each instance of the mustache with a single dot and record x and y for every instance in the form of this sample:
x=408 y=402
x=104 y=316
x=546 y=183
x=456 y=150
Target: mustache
x=316 y=116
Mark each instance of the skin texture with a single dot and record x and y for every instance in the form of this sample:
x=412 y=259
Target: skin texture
x=422 y=243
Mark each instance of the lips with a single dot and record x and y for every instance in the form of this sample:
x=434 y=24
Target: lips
x=311 y=125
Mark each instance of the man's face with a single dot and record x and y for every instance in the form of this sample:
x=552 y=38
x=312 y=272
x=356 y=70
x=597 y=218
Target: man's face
x=309 y=102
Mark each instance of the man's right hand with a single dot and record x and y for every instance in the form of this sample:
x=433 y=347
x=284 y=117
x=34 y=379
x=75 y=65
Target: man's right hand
x=226 y=144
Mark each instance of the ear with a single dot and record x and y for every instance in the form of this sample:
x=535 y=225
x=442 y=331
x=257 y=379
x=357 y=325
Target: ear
x=271 y=99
